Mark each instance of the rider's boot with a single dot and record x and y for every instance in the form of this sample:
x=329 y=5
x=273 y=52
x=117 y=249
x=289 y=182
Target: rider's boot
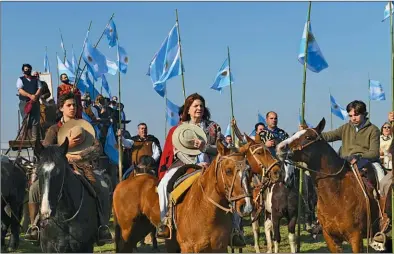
x=104 y=235
x=383 y=222
x=32 y=231
x=164 y=228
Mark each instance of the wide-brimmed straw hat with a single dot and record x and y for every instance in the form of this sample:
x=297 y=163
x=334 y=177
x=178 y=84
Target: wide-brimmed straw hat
x=183 y=138
x=73 y=128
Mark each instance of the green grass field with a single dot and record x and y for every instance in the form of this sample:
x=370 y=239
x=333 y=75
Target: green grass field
x=308 y=244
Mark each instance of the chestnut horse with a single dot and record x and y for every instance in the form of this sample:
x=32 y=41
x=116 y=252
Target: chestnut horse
x=202 y=219
x=342 y=207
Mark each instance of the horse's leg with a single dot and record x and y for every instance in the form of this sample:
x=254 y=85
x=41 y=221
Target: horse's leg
x=14 y=238
x=275 y=224
x=154 y=240
x=291 y=228
x=256 y=233
x=356 y=242
x=267 y=229
x=332 y=244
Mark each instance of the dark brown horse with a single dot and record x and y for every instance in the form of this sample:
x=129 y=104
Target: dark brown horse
x=342 y=208
x=201 y=225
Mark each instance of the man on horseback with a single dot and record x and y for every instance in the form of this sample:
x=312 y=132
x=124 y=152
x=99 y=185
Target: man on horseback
x=83 y=158
x=360 y=145
x=141 y=144
x=29 y=89
x=66 y=88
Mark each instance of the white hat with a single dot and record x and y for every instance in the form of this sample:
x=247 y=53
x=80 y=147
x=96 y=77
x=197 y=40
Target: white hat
x=183 y=138
x=73 y=128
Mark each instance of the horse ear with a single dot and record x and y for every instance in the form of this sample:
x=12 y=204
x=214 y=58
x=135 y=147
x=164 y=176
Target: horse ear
x=321 y=126
x=257 y=138
x=245 y=147
x=248 y=139
x=38 y=148
x=222 y=150
x=64 y=146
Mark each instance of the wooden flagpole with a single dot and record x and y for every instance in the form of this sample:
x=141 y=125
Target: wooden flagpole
x=180 y=53
x=102 y=34
x=231 y=92
x=303 y=120
x=392 y=94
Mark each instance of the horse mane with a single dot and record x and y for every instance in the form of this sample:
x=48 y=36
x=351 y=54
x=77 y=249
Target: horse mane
x=52 y=153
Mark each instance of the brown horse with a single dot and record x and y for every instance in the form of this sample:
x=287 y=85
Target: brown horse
x=342 y=207
x=202 y=221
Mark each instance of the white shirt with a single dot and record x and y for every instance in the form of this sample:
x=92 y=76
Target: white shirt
x=128 y=143
x=19 y=83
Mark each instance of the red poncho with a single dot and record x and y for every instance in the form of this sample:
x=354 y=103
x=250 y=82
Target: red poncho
x=167 y=157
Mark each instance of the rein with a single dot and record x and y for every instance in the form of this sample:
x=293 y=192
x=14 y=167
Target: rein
x=239 y=165
x=301 y=147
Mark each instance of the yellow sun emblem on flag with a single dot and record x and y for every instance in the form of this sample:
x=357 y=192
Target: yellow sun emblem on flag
x=224 y=73
x=90 y=59
x=335 y=106
x=126 y=59
x=172 y=114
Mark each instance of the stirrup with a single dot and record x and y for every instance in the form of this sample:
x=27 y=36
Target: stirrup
x=98 y=234
x=29 y=229
x=379 y=246
x=238 y=233
x=165 y=224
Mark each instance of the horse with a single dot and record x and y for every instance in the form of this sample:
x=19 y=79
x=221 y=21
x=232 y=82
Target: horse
x=205 y=224
x=68 y=217
x=275 y=194
x=342 y=209
x=13 y=189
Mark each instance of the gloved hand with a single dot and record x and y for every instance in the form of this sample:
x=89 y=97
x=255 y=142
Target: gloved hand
x=353 y=158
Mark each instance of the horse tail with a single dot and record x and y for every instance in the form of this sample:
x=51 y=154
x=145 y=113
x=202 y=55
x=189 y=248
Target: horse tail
x=119 y=242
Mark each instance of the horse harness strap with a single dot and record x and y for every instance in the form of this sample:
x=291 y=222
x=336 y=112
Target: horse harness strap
x=265 y=170
x=359 y=180
x=302 y=146
x=239 y=165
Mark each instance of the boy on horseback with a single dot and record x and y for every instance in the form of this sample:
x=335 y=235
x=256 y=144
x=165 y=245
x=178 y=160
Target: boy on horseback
x=83 y=157
x=360 y=146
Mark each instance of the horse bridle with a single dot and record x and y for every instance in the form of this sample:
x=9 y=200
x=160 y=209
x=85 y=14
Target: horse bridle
x=302 y=146
x=240 y=166
x=264 y=169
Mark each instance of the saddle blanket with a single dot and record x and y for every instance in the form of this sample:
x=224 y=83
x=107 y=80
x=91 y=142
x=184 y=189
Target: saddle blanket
x=183 y=187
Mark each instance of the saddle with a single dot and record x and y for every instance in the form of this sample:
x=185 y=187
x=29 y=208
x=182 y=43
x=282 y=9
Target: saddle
x=182 y=181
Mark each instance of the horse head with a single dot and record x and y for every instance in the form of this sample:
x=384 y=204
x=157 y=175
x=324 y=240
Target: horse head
x=260 y=159
x=304 y=146
x=233 y=178
x=52 y=168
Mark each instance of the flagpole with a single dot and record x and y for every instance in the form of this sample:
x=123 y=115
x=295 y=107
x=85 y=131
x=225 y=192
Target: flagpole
x=64 y=48
x=392 y=94
x=58 y=77
x=231 y=92
x=95 y=46
x=166 y=118
x=120 y=116
x=303 y=119
x=369 y=97
x=80 y=58
x=180 y=53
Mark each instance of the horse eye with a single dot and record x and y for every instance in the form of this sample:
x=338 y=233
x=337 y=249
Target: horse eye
x=228 y=171
x=308 y=137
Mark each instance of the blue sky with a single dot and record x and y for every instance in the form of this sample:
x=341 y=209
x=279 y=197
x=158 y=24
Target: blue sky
x=264 y=39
